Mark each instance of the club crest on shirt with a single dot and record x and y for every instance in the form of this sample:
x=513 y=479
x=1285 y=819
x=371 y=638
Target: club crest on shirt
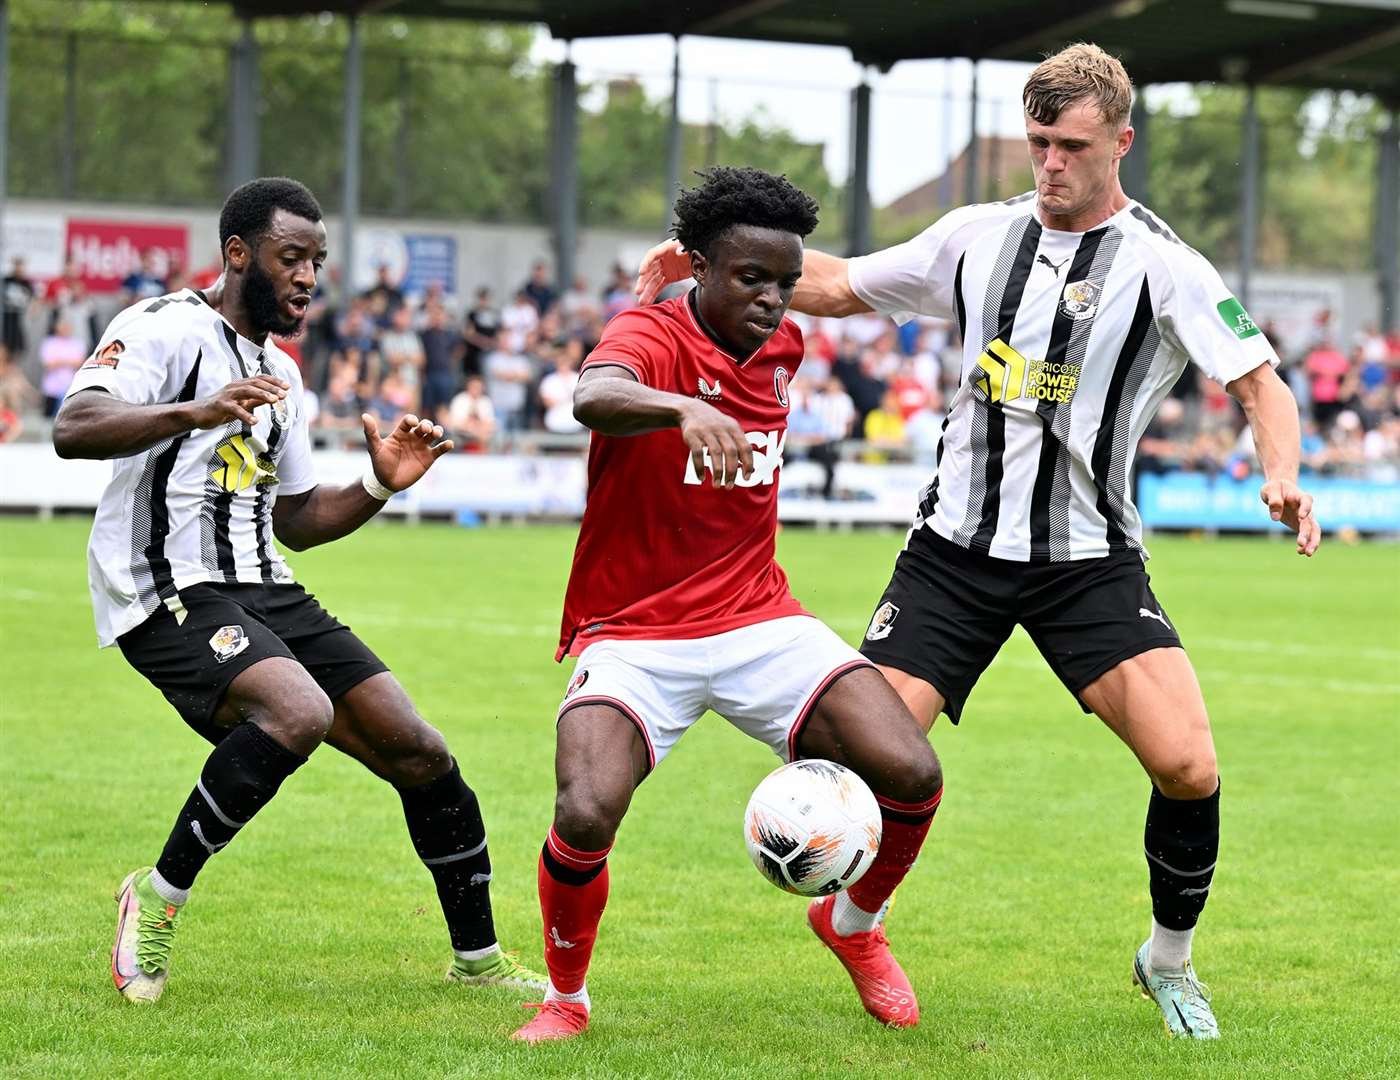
x=883 y=622
x=228 y=642
x=780 y=386
x=576 y=683
x=1080 y=300
x=107 y=356
x=708 y=392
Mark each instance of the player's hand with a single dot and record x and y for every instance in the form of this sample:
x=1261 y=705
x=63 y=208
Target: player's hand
x=401 y=460
x=237 y=400
x=1293 y=506
x=663 y=265
x=711 y=434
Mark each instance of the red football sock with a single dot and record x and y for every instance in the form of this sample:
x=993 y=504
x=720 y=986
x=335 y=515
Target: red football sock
x=905 y=825
x=573 y=893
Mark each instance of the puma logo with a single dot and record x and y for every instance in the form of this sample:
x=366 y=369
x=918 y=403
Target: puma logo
x=559 y=943
x=1145 y=614
x=1053 y=266
x=199 y=835
x=479 y=879
x=1195 y=892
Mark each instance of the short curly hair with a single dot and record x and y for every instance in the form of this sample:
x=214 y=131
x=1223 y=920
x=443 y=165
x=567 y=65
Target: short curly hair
x=249 y=209
x=732 y=196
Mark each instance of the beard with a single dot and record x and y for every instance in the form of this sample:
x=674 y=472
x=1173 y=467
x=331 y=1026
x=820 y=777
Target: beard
x=260 y=298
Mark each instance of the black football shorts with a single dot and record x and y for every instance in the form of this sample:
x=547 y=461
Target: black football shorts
x=228 y=628
x=947 y=611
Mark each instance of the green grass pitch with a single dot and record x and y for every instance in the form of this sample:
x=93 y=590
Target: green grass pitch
x=313 y=947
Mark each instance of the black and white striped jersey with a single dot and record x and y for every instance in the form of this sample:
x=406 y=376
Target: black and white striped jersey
x=1070 y=343
x=197 y=507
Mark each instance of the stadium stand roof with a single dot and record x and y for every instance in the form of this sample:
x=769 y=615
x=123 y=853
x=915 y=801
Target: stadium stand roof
x=1340 y=44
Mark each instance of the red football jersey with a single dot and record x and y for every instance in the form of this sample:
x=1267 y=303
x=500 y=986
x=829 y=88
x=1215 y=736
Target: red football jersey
x=663 y=553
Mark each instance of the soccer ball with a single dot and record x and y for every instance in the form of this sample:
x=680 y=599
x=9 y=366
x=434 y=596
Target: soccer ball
x=812 y=827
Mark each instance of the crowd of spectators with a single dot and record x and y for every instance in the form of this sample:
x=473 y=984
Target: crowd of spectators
x=491 y=371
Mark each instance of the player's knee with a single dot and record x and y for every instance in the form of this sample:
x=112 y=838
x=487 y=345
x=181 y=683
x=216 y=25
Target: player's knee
x=1190 y=775
x=920 y=777
x=302 y=719
x=586 y=818
x=419 y=755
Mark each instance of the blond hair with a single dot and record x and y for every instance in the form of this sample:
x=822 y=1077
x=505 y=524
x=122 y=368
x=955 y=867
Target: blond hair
x=1079 y=72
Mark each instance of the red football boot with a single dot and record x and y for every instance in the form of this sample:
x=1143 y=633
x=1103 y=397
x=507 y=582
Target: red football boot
x=881 y=983
x=555 y=1020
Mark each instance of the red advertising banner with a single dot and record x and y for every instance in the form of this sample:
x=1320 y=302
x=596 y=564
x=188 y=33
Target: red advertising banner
x=108 y=251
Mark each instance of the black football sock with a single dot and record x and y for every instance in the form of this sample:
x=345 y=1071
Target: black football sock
x=444 y=822
x=239 y=778
x=1181 y=841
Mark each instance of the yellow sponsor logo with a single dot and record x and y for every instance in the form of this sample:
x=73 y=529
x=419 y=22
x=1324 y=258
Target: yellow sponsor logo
x=1003 y=375
x=1001 y=371
x=241 y=467
x=1052 y=382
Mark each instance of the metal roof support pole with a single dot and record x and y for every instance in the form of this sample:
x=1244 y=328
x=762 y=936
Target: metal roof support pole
x=858 y=190
x=564 y=168
x=673 y=141
x=403 y=173
x=350 y=144
x=945 y=182
x=69 y=167
x=1249 y=190
x=4 y=115
x=1388 y=220
x=1135 y=171
x=243 y=108
x=970 y=189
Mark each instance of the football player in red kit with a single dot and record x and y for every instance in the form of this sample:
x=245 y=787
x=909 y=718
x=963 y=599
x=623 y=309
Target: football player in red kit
x=675 y=604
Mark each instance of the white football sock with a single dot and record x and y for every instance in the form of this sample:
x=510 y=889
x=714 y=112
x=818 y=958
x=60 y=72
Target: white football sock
x=848 y=919
x=476 y=954
x=578 y=997
x=168 y=892
x=1170 y=949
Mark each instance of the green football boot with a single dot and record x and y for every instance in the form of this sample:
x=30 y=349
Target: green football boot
x=498 y=969
x=145 y=932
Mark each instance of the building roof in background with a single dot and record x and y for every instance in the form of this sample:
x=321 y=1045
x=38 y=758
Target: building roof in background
x=1002 y=164
x=1339 y=44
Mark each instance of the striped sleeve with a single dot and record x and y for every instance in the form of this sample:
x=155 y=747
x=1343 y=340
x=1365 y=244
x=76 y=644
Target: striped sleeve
x=916 y=277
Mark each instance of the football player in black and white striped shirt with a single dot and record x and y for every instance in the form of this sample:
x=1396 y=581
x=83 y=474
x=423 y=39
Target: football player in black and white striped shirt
x=1078 y=310
x=202 y=416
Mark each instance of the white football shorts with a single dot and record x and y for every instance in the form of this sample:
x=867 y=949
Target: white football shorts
x=765 y=679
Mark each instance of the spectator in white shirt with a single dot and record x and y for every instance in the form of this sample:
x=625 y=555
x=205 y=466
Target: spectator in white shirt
x=472 y=417
x=557 y=390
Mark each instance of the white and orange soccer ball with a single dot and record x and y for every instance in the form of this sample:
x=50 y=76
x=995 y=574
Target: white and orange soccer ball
x=812 y=827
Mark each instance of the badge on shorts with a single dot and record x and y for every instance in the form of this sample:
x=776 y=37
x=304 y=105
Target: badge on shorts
x=883 y=622
x=228 y=642
x=576 y=683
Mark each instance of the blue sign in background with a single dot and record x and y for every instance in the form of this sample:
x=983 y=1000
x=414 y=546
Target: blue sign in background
x=1196 y=501
x=431 y=258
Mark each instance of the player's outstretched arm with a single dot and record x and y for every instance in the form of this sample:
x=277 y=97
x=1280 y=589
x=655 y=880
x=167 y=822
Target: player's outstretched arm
x=95 y=424
x=824 y=288
x=1273 y=417
x=610 y=401
x=397 y=462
